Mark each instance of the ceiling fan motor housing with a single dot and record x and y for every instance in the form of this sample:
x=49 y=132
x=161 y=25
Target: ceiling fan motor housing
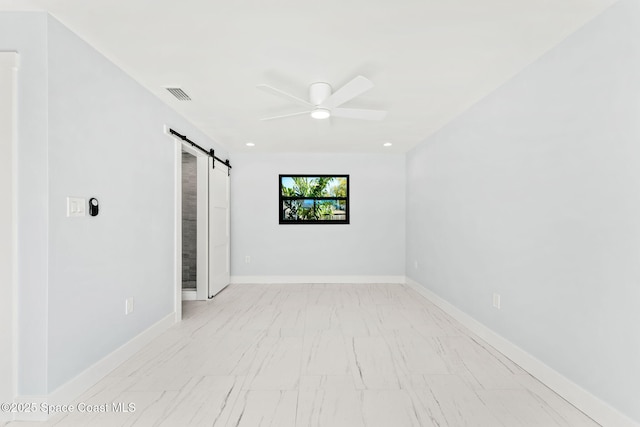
x=318 y=92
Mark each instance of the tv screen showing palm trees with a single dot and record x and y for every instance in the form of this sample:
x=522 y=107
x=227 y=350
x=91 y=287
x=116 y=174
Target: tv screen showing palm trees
x=314 y=199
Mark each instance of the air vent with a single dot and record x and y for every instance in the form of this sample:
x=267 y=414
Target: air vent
x=178 y=93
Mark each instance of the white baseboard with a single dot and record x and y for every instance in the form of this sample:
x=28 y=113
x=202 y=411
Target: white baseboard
x=68 y=392
x=72 y=389
x=189 y=295
x=252 y=280
x=595 y=408
x=36 y=415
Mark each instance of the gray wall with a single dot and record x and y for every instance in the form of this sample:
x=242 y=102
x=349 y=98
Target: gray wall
x=189 y=220
x=373 y=244
x=87 y=129
x=534 y=193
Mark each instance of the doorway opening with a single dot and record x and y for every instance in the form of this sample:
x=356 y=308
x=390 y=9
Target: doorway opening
x=189 y=222
x=202 y=230
x=194 y=224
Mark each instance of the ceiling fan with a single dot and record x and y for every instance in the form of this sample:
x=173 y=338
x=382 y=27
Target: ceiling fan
x=323 y=104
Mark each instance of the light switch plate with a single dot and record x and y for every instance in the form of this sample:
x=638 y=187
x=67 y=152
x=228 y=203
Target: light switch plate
x=76 y=206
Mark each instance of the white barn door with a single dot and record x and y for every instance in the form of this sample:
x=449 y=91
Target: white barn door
x=219 y=227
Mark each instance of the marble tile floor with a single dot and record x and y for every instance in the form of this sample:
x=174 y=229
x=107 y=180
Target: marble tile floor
x=321 y=355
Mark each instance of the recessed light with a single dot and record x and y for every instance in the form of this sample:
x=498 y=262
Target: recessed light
x=250 y=144
x=387 y=144
x=320 y=113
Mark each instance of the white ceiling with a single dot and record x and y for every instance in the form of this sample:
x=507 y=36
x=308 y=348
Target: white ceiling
x=429 y=59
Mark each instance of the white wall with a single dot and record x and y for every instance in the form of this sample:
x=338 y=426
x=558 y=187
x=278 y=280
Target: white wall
x=534 y=193
x=106 y=141
x=371 y=245
x=8 y=67
x=25 y=33
x=87 y=129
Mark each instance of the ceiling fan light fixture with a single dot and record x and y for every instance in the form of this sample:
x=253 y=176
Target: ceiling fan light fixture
x=323 y=103
x=321 y=113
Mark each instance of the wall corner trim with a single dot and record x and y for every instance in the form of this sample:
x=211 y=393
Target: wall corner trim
x=591 y=405
x=72 y=389
x=355 y=279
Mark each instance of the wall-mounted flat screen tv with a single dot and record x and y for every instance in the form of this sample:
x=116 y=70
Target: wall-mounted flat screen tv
x=314 y=199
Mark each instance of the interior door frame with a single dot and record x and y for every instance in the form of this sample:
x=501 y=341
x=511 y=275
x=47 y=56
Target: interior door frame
x=9 y=280
x=202 y=220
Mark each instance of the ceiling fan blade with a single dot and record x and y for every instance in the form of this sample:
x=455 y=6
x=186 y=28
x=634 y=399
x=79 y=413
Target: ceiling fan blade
x=355 y=87
x=272 y=90
x=356 y=113
x=285 y=115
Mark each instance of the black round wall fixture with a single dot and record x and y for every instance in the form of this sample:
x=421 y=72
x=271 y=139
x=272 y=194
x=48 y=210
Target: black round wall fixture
x=93 y=206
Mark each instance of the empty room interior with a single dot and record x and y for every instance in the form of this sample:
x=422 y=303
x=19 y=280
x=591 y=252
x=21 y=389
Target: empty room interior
x=292 y=213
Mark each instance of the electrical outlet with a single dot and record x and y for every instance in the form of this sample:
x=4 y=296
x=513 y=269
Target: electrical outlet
x=128 y=309
x=247 y=259
x=496 y=301
x=415 y=264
